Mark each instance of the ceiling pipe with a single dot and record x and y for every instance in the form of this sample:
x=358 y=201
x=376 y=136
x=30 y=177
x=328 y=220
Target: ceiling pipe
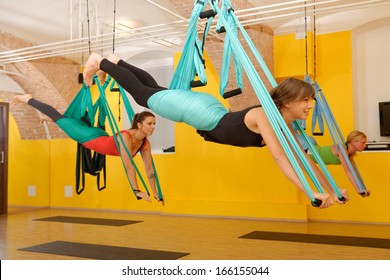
x=80 y=49
x=77 y=44
x=296 y=7
x=53 y=46
x=265 y=7
x=200 y=26
x=158 y=38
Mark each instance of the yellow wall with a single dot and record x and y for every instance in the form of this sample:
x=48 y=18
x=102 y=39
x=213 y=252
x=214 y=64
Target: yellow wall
x=28 y=163
x=204 y=178
x=290 y=56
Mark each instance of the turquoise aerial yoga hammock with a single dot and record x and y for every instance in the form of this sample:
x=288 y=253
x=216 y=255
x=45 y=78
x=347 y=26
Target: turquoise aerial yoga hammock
x=228 y=53
x=187 y=68
x=191 y=63
x=83 y=109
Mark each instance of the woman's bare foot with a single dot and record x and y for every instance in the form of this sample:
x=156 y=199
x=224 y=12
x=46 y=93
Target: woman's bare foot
x=113 y=58
x=91 y=68
x=22 y=98
x=101 y=76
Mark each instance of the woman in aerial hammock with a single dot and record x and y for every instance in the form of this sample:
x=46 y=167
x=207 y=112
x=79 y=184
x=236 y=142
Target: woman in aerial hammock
x=135 y=139
x=247 y=128
x=356 y=142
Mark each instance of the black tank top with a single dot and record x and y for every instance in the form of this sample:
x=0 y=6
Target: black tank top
x=231 y=130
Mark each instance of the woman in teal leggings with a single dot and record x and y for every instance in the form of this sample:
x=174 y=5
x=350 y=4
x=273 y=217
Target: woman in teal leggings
x=135 y=139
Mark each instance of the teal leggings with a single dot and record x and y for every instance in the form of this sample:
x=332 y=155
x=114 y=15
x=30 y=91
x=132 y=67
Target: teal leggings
x=75 y=129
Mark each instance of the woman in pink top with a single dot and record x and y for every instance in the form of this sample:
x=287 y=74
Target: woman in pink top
x=135 y=140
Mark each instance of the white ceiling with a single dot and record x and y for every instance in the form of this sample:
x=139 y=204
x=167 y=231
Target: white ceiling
x=63 y=24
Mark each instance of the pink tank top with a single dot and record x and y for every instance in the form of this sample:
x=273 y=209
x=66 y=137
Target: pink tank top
x=106 y=145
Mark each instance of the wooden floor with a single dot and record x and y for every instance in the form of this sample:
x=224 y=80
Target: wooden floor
x=201 y=238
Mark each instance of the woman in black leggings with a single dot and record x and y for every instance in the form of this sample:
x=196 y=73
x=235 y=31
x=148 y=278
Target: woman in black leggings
x=247 y=128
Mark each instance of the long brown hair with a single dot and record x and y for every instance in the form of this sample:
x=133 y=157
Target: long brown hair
x=289 y=90
x=140 y=117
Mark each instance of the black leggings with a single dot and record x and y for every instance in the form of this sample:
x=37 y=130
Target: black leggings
x=140 y=84
x=46 y=109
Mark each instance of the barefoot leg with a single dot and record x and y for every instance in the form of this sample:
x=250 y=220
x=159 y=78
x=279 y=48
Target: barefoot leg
x=101 y=76
x=91 y=68
x=113 y=58
x=21 y=98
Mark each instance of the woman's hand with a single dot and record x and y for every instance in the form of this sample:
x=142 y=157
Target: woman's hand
x=325 y=199
x=157 y=197
x=160 y=200
x=365 y=193
x=143 y=195
x=344 y=193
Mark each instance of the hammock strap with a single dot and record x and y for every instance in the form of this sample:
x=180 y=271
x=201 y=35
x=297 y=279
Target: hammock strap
x=190 y=62
x=228 y=52
x=280 y=127
x=337 y=136
x=115 y=130
x=82 y=108
x=130 y=112
x=317 y=117
x=310 y=146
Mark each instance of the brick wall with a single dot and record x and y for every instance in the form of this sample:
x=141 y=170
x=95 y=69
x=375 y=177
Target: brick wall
x=51 y=80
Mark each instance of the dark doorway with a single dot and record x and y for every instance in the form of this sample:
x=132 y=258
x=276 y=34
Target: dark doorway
x=3 y=157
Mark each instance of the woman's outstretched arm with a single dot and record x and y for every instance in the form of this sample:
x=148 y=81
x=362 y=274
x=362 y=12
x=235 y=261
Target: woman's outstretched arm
x=257 y=121
x=147 y=159
x=350 y=177
x=325 y=183
x=130 y=168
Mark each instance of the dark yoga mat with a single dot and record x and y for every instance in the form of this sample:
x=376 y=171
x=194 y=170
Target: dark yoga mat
x=320 y=239
x=88 y=221
x=102 y=252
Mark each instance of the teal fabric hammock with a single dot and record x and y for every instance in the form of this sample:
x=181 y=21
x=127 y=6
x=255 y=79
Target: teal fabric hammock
x=228 y=53
x=187 y=68
x=191 y=63
x=87 y=161
x=192 y=60
x=83 y=108
x=321 y=113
